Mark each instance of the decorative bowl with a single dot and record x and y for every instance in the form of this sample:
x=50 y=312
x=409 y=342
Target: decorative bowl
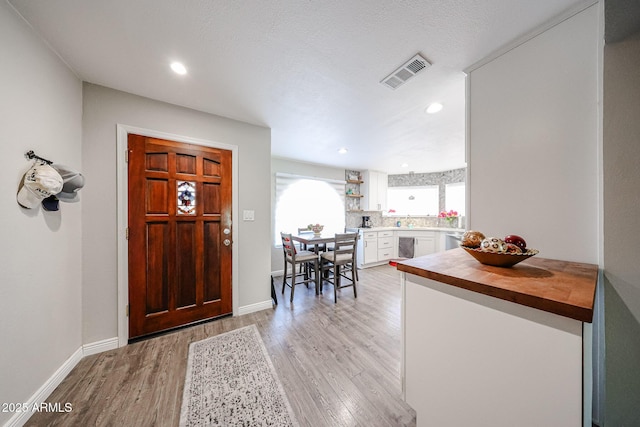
x=317 y=229
x=499 y=259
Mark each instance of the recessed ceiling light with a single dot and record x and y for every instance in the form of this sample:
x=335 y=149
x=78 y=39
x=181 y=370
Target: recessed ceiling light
x=433 y=108
x=342 y=150
x=178 y=68
x=404 y=165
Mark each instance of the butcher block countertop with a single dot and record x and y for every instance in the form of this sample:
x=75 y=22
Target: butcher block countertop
x=561 y=287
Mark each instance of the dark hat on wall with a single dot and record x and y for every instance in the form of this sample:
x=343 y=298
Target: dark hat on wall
x=51 y=203
x=73 y=181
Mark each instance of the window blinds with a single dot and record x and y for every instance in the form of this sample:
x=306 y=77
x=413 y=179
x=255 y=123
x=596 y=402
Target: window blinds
x=302 y=200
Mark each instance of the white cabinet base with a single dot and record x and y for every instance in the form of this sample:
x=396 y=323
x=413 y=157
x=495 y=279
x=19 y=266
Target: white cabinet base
x=473 y=360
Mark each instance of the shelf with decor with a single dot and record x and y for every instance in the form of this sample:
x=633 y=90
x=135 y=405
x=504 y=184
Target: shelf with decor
x=353 y=194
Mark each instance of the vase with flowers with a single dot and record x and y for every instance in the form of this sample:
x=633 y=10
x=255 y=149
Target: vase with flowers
x=316 y=228
x=450 y=216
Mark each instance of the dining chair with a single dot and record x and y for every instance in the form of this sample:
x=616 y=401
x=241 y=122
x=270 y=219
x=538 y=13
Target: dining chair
x=294 y=257
x=355 y=260
x=303 y=246
x=343 y=256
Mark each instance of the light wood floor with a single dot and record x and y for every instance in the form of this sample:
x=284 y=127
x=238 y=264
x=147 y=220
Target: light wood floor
x=339 y=363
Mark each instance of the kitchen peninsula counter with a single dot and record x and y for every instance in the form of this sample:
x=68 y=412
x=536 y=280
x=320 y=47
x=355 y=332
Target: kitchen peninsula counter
x=560 y=287
x=405 y=228
x=497 y=346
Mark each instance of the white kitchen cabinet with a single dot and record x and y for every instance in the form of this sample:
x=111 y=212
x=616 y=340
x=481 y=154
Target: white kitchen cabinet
x=385 y=245
x=425 y=242
x=385 y=254
x=370 y=247
x=374 y=191
x=425 y=245
x=378 y=246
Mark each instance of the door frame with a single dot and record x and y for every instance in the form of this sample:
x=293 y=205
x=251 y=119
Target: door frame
x=123 y=132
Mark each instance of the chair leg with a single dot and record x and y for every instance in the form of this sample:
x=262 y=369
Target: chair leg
x=354 y=279
x=336 y=282
x=274 y=297
x=284 y=278
x=293 y=283
x=317 y=276
x=305 y=268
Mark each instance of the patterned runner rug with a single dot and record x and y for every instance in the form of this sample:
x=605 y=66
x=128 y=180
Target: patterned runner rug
x=231 y=381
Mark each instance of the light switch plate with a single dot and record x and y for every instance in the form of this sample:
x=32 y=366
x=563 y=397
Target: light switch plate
x=248 y=215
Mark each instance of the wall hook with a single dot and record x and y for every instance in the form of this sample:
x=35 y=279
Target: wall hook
x=31 y=155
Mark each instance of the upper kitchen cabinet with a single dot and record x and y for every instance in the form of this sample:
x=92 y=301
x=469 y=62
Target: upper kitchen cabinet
x=374 y=191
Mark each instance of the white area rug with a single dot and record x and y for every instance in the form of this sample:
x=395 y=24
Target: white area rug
x=231 y=381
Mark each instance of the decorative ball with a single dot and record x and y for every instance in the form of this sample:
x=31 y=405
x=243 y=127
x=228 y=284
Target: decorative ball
x=512 y=248
x=472 y=239
x=516 y=240
x=494 y=245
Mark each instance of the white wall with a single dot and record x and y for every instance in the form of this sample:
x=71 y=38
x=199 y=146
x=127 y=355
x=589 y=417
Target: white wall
x=621 y=230
x=534 y=151
x=105 y=108
x=40 y=269
x=296 y=168
x=533 y=142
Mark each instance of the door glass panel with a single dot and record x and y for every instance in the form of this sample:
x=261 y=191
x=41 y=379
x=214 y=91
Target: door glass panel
x=186 y=198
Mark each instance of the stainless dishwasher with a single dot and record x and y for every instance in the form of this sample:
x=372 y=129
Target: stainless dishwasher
x=452 y=240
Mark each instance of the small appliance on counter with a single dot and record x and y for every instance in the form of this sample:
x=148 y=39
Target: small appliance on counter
x=366 y=222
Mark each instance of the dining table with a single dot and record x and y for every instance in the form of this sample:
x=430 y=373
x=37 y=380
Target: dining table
x=315 y=240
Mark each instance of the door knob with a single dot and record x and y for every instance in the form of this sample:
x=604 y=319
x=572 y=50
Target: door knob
x=226 y=231
x=226 y=242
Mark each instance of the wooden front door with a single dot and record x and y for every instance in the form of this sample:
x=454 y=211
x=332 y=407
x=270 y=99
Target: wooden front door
x=179 y=234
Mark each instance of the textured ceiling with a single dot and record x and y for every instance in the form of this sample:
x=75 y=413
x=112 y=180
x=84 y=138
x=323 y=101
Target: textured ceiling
x=309 y=70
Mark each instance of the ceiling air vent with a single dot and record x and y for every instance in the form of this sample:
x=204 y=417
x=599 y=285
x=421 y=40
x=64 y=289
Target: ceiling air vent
x=404 y=73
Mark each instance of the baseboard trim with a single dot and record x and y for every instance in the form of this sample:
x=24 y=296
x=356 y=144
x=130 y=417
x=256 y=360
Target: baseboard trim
x=277 y=273
x=20 y=418
x=251 y=308
x=373 y=264
x=100 y=346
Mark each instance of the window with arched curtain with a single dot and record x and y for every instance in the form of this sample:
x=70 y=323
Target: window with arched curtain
x=301 y=201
